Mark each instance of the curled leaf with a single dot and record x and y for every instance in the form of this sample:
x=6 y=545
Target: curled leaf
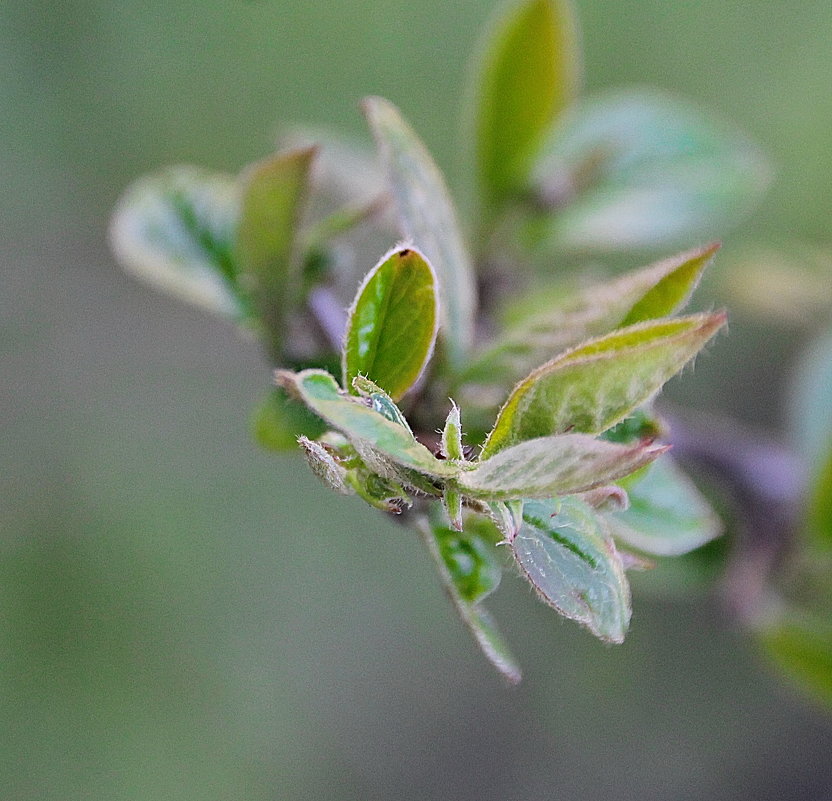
x=392 y=324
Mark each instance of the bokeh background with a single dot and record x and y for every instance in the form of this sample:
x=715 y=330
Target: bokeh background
x=183 y=616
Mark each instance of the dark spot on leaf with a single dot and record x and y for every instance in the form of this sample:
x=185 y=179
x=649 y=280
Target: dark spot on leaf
x=404 y=252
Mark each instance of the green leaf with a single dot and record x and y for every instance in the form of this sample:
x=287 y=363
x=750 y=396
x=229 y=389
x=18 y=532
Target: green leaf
x=568 y=556
x=820 y=504
x=277 y=422
x=801 y=645
x=667 y=515
x=452 y=435
x=529 y=72
x=361 y=424
x=654 y=291
x=590 y=388
x=392 y=324
x=175 y=230
x=428 y=219
x=547 y=466
x=380 y=401
x=640 y=169
x=274 y=192
x=469 y=572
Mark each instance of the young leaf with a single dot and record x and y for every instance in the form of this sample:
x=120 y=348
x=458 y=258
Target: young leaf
x=324 y=465
x=530 y=72
x=469 y=572
x=273 y=195
x=380 y=401
x=175 y=229
x=566 y=553
x=644 y=170
x=666 y=516
x=452 y=435
x=427 y=218
x=392 y=323
x=362 y=425
x=548 y=466
x=655 y=291
x=590 y=388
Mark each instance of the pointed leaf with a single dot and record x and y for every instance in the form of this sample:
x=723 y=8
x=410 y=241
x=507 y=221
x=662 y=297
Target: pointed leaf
x=452 y=435
x=547 y=466
x=274 y=193
x=667 y=516
x=392 y=323
x=567 y=554
x=643 y=170
x=362 y=425
x=469 y=572
x=590 y=388
x=325 y=466
x=427 y=218
x=655 y=291
x=530 y=72
x=175 y=229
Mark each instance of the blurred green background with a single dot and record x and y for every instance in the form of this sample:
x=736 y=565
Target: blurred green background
x=185 y=617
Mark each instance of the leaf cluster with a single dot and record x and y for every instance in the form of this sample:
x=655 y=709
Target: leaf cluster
x=560 y=463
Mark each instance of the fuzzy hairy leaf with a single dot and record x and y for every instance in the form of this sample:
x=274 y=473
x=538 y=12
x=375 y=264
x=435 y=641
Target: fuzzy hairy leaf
x=175 y=230
x=566 y=553
x=548 y=466
x=428 y=219
x=469 y=571
x=274 y=192
x=392 y=324
x=643 y=169
x=658 y=290
x=530 y=72
x=666 y=516
x=590 y=388
x=361 y=424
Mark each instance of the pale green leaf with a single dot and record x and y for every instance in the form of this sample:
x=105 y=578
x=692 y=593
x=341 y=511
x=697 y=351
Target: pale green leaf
x=429 y=220
x=566 y=553
x=380 y=401
x=469 y=571
x=325 y=466
x=452 y=435
x=667 y=516
x=592 y=387
x=361 y=424
x=175 y=229
x=392 y=323
x=274 y=192
x=529 y=72
x=548 y=466
x=639 y=169
x=654 y=291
